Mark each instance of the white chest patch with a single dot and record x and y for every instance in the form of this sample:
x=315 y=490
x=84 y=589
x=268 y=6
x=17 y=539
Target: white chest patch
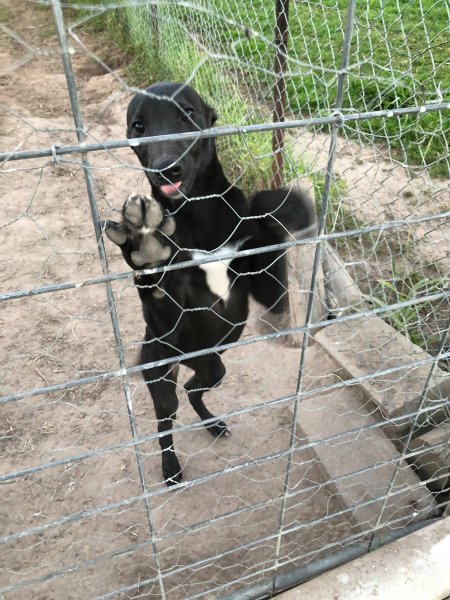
x=217 y=272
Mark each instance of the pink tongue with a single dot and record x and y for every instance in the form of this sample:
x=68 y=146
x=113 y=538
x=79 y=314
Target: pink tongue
x=169 y=189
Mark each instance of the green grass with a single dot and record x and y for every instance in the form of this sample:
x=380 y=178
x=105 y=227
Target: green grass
x=399 y=57
x=175 y=56
x=403 y=287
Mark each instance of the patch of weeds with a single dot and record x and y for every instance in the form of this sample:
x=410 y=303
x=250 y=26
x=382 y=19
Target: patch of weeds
x=339 y=217
x=5 y=14
x=399 y=56
x=405 y=287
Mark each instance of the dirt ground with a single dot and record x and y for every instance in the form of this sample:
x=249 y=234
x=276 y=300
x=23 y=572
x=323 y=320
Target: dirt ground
x=67 y=532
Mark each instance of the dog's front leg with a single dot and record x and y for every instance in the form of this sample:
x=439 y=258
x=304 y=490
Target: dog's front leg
x=161 y=382
x=143 y=236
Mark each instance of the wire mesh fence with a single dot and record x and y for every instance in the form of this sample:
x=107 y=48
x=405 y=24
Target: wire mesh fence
x=338 y=410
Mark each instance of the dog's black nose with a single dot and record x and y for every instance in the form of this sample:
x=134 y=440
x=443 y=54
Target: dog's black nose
x=168 y=168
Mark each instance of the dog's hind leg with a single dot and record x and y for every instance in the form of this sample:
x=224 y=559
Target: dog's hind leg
x=209 y=372
x=161 y=382
x=279 y=215
x=268 y=281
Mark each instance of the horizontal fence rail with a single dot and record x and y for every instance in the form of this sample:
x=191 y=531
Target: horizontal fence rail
x=337 y=118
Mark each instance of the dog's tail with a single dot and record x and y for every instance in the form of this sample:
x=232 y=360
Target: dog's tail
x=284 y=211
x=278 y=214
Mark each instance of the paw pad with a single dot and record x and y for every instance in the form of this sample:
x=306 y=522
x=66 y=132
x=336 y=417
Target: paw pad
x=146 y=226
x=133 y=211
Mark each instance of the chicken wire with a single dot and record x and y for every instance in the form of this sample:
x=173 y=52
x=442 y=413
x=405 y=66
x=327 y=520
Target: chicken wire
x=85 y=514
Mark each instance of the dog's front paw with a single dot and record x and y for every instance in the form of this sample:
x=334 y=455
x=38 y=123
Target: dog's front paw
x=146 y=227
x=171 y=468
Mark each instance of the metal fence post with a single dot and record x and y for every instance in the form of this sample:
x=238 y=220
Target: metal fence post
x=77 y=116
x=317 y=259
x=279 y=89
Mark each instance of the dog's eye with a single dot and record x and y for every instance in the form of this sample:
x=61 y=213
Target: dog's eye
x=188 y=114
x=138 y=127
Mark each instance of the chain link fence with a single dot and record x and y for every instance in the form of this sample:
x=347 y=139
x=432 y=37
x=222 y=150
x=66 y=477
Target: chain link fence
x=339 y=411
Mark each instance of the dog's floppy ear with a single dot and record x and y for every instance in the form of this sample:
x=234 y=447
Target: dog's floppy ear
x=212 y=116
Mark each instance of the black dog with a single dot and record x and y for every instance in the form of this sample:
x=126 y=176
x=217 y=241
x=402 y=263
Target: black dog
x=195 y=212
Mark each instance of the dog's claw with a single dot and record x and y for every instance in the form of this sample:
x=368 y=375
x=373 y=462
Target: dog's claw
x=219 y=429
x=168 y=227
x=153 y=213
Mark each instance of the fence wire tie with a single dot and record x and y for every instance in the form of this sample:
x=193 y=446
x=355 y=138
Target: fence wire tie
x=338 y=114
x=56 y=157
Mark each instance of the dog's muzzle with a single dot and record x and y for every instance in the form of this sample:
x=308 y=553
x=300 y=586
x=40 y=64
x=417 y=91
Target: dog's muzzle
x=167 y=174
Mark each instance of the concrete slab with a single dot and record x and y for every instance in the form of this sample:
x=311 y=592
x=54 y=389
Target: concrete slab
x=433 y=463
x=342 y=293
x=361 y=462
x=368 y=346
x=414 y=567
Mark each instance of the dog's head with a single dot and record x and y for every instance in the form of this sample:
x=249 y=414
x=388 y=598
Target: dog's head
x=167 y=108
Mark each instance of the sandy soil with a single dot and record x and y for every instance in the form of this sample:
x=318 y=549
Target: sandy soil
x=78 y=543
